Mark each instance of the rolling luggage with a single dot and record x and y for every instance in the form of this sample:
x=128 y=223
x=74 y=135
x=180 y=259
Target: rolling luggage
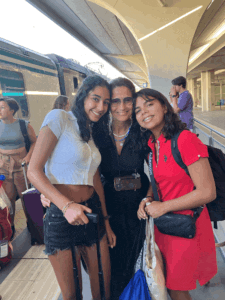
x=95 y=220
x=35 y=212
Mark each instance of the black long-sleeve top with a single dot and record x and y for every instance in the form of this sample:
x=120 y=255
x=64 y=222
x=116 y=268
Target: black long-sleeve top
x=130 y=161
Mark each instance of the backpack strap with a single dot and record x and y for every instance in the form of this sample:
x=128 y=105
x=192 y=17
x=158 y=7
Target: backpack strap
x=176 y=153
x=23 y=129
x=197 y=211
x=154 y=187
x=178 y=159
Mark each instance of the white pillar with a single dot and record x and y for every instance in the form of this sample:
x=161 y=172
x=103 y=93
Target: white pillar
x=198 y=94
x=221 y=90
x=206 y=91
x=192 y=89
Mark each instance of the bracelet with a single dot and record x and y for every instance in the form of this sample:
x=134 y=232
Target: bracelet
x=106 y=217
x=146 y=198
x=64 y=209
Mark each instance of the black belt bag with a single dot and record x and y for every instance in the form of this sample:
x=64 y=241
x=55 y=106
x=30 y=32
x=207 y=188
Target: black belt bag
x=174 y=224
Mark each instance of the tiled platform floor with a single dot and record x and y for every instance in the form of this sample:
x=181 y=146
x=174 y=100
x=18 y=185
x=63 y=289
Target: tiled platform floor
x=214 y=118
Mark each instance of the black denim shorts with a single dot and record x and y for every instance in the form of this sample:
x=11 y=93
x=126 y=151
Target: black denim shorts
x=60 y=235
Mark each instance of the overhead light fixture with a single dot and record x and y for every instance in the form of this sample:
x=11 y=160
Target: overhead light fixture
x=174 y=21
x=41 y=93
x=210 y=4
x=198 y=53
x=219 y=31
x=219 y=71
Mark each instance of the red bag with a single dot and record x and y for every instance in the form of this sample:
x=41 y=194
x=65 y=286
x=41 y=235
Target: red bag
x=5 y=235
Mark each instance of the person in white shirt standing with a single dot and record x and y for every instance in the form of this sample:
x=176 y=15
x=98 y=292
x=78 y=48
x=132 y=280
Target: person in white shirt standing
x=72 y=182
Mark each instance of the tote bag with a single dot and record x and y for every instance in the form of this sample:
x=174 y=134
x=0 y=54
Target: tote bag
x=151 y=263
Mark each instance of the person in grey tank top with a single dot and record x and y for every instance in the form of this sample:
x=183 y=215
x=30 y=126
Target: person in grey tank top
x=13 y=151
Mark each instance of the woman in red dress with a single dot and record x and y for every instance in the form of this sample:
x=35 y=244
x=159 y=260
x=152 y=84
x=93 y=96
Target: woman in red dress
x=186 y=260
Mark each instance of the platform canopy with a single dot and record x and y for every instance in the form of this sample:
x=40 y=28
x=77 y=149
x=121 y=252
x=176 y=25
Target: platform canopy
x=149 y=41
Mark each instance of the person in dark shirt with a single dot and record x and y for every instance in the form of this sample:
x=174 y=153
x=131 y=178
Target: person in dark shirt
x=122 y=154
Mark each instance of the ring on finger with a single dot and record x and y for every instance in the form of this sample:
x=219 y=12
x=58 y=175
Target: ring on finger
x=148 y=203
x=77 y=223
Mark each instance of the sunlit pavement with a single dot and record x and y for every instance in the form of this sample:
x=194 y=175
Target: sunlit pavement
x=215 y=289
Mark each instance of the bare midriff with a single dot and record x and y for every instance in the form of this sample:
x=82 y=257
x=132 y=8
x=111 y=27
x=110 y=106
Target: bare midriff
x=76 y=193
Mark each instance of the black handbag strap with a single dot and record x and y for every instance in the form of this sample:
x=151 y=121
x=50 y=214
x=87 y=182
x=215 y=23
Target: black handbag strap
x=154 y=187
x=197 y=211
x=25 y=134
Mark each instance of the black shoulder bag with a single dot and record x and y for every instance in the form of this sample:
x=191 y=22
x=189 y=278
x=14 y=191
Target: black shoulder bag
x=170 y=223
x=25 y=134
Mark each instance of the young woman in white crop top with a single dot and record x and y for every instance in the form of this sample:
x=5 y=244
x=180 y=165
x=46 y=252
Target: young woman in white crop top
x=72 y=182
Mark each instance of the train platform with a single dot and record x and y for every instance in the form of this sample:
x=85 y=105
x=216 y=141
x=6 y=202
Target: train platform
x=30 y=276
x=214 y=119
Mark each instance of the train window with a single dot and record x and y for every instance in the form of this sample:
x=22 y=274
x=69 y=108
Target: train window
x=75 y=82
x=12 y=85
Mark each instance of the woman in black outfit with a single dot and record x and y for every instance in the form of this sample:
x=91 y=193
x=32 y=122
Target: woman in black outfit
x=122 y=154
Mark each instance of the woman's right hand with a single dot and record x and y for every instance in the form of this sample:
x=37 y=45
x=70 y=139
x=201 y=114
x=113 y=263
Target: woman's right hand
x=45 y=201
x=141 y=211
x=75 y=214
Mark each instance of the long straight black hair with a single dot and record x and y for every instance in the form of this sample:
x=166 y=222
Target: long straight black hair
x=88 y=85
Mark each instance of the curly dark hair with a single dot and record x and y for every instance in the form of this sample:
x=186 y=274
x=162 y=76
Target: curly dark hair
x=88 y=85
x=173 y=124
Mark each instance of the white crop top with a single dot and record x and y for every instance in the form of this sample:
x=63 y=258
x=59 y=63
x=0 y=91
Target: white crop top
x=72 y=161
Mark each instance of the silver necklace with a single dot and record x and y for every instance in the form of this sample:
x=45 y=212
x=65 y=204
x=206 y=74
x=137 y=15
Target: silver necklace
x=119 y=136
x=123 y=139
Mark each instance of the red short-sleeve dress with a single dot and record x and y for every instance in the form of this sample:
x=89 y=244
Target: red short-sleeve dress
x=186 y=260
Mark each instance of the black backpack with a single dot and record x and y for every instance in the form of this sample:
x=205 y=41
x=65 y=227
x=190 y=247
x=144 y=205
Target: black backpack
x=23 y=129
x=216 y=208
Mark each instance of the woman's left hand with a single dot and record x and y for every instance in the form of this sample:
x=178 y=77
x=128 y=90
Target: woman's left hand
x=156 y=209
x=25 y=160
x=45 y=201
x=110 y=234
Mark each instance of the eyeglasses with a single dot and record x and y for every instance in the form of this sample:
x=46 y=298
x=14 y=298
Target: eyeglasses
x=117 y=101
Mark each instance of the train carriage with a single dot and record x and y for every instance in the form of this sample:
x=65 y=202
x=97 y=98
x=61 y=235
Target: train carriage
x=35 y=80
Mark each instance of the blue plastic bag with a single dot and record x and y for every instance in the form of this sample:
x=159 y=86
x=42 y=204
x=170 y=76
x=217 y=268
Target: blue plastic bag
x=137 y=288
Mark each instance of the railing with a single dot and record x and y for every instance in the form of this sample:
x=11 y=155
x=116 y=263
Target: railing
x=212 y=141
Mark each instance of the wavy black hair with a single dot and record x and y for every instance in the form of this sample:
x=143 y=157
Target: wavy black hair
x=88 y=85
x=173 y=124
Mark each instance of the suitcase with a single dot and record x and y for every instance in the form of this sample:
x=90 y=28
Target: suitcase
x=35 y=212
x=94 y=219
x=5 y=235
